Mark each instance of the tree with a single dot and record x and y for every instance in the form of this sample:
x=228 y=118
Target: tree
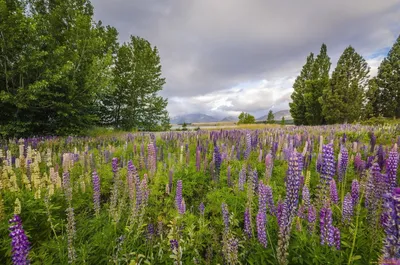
x=373 y=107
x=270 y=117
x=314 y=87
x=388 y=82
x=133 y=101
x=246 y=118
x=298 y=106
x=343 y=101
x=283 y=120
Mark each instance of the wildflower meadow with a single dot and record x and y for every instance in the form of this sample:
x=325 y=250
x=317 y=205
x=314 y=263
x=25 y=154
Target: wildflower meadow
x=275 y=195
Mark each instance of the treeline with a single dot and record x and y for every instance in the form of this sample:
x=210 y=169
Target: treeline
x=349 y=94
x=62 y=73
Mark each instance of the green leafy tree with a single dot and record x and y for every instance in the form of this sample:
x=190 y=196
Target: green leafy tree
x=283 y=120
x=315 y=86
x=373 y=106
x=246 y=118
x=344 y=100
x=388 y=82
x=270 y=117
x=133 y=101
x=298 y=105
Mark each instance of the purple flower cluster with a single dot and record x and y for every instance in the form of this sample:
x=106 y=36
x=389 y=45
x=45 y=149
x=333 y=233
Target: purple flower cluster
x=217 y=161
x=391 y=220
x=130 y=179
x=225 y=215
x=306 y=196
x=248 y=146
x=261 y=232
x=333 y=191
x=174 y=244
x=328 y=166
x=247 y=223
x=151 y=159
x=391 y=168
x=347 y=211
x=96 y=192
x=179 y=202
x=326 y=227
x=355 y=191
x=342 y=163
x=201 y=208
x=270 y=200
x=114 y=164
x=311 y=218
x=268 y=166
x=19 y=242
x=242 y=178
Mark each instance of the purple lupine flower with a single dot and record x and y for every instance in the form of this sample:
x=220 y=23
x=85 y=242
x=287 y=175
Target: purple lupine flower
x=391 y=220
x=115 y=165
x=358 y=163
x=279 y=213
x=230 y=250
x=96 y=192
x=248 y=146
x=328 y=165
x=327 y=229
x=152 y=159
x=247 y=223
x=344 y=160
x=229 y=176
x=71 y=234
x=270 y=200
x=319 y=163
x=372 y=142
x=198 y=159
x=201 y=208
x=150 y=231
x=225 y=215
x=336 y=237
x=306 y=196
x=255 y=181
x=391 y=168
x=19 y=242
x=217 y=160
x=268 y=166
x=355 y=191
x=242 y=178
x=292 y=187
x=333 y=192
x=174 y=244
x=178 y=196
x=262 y=197
x=347 y=208
x=311 y=217
x=261 y=233
x=381 y=156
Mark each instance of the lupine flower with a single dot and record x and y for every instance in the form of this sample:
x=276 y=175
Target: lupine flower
x=261 y=233
x=327 y=229
x=327 y=168
x=96 y=192
x=391 y=220
x=225 y=215
x=198 y=159
x=268 y=166
x=344 y=159
x=333 y=192
x=230 y=250
x=115 y=165
x=217 y=160
x=242 y=178
x=262 y=197
x=381 y=156
x=71 y=234
x=130 y=179
x=311 y=217
x=355 y=191
x=255 y=181
x=279 y=213
x=174 y=244
x=391 y=168
x=67 y=186
x=178 y=196
x=306 y=196
x=152 y=159
x=358 y=163
x=19 y=242
x=336 y=237
x=270 y=200
x=247 y=223
x=347 y=208
x=248 y=146
x=201 y=208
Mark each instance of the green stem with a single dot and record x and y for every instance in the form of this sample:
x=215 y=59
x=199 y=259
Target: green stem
x=272 y=245
x=355 y=233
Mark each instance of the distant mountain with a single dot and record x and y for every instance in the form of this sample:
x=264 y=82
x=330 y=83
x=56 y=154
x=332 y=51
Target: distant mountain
x=278 y=116
x=193 y=118
x=230 y=118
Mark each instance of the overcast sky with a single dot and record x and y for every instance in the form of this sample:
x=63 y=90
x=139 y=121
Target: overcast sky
x=221 y=57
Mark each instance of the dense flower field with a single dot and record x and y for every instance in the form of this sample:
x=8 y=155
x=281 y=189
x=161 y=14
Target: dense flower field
x=283 y=195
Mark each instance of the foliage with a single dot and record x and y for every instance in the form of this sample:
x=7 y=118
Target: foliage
x=343 y=100
x=270 y=118
x=283 y=120
x=246 y=118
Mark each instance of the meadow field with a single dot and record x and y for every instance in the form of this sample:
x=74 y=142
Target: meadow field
x=269 y=195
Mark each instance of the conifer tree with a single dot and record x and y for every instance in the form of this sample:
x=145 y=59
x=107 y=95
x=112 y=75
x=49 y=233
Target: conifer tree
x=270 y=117
x=297 y=106
x=388 y=82
x=343 y=100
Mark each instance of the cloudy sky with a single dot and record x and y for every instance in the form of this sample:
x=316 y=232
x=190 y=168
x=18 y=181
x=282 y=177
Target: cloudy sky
x=221 y=57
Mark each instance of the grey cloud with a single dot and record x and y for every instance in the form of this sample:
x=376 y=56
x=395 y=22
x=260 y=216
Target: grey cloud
x=208 y=46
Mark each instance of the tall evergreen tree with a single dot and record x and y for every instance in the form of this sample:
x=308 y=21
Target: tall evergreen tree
x=315 y=86
x=133 y=101
x=388 y=82
x=343 y=100
x=270 y=117
x=373 y=106
x=298 y=106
